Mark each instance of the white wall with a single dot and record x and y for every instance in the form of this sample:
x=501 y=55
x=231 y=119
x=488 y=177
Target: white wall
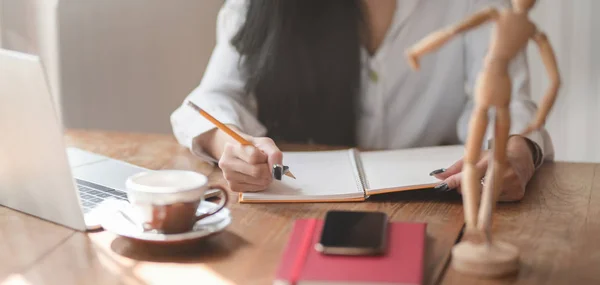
x=1 y=17
x=574 y=32
x=126 y=65
x=116 y=65
x=30 y=26
x=47 y=37
x=18 y=20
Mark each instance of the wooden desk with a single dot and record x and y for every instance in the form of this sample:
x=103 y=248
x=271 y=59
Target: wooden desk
x=556 y=226
x=550 y=226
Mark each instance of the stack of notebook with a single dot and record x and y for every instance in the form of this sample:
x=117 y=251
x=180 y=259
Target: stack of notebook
x=402 y=263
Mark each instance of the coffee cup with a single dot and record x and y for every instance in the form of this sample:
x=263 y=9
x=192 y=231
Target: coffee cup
x=166 y=201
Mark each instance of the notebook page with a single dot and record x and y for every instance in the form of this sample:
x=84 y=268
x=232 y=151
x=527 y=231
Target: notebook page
x=319 y=175
x=407 y=167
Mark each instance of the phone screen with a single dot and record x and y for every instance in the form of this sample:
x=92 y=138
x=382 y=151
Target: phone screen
x=354 y=231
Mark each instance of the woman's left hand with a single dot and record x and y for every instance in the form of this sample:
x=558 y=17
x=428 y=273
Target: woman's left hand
x=519 y=170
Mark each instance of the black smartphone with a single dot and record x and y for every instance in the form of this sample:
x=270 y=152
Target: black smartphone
x=353 y=233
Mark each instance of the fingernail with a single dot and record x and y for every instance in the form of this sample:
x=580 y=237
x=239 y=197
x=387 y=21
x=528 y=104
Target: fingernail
x=277 y=171
x=249 y=149
x=443 y=187
x=437 y=171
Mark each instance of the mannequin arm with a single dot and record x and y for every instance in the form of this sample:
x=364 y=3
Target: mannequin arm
x=549 y=60
x=439 y=38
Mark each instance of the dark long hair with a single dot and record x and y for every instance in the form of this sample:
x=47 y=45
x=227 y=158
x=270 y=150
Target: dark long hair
x=302 y=61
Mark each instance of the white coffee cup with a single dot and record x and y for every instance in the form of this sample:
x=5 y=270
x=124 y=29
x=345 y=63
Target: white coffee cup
x=167 y=200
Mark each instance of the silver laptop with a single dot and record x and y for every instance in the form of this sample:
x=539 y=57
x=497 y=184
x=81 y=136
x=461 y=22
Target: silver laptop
x=38 y=174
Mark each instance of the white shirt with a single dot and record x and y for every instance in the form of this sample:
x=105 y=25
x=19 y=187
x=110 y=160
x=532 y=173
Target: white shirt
x=400 y=108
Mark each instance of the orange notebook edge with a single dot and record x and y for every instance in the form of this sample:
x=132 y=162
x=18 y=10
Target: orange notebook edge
x=400 y=189
x=262 y=201
x=335 y=200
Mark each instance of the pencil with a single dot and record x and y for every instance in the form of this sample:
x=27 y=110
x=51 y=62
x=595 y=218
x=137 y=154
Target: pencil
x=230 y=132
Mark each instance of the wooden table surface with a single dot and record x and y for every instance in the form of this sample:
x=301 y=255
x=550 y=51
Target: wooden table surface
x=555 y=226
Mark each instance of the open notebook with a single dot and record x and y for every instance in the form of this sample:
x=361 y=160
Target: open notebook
x=351 y=175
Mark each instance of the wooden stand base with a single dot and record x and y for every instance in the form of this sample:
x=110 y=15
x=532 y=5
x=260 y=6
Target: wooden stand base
x=485 y=260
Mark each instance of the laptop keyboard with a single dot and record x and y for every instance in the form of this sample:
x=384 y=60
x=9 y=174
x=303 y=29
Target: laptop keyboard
x=92 y=194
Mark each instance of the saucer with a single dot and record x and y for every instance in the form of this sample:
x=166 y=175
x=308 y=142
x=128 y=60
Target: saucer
x=110 y=205
x=118 y=224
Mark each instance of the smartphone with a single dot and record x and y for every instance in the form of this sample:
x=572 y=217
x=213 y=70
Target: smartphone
x=353 y=233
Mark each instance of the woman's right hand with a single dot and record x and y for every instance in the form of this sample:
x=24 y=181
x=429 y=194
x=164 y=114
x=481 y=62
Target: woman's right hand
x=249 y=168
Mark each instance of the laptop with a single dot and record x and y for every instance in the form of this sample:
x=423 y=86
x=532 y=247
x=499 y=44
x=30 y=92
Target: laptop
x=39 y=175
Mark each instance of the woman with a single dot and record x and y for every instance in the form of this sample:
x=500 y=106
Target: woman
x=334 y=72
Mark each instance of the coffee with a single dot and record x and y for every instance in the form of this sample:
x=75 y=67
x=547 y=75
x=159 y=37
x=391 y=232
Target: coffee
x=174 y=218
x=167 y=200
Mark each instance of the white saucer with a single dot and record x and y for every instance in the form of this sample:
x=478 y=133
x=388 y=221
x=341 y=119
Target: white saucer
x=116 y=223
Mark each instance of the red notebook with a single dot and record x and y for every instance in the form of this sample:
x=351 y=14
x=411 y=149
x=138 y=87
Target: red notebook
x=403 y=262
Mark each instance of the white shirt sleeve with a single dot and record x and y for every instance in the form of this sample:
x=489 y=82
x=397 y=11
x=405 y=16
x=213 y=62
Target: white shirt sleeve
x=522 y=108
x=221 y=91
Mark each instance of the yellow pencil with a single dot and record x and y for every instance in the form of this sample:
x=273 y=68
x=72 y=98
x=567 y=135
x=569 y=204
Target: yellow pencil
x=230 y=132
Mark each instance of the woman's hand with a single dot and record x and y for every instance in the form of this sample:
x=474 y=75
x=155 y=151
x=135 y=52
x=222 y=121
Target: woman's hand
x=249 y=168
x=245 y=168
x=519 y=170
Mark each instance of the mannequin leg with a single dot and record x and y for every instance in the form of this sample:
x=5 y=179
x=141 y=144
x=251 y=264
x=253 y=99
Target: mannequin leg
x=488 y=187
x=493 y=187
x=470 y=183
x=493 y=258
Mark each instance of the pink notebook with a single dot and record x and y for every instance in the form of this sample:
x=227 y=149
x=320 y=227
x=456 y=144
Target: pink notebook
x=403 y=262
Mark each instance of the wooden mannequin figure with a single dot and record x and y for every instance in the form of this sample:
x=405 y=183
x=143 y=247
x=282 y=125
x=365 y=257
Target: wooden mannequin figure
x=478 y=253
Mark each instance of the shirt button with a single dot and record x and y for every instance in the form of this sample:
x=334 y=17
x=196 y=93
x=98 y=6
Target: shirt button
x=373 y=75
